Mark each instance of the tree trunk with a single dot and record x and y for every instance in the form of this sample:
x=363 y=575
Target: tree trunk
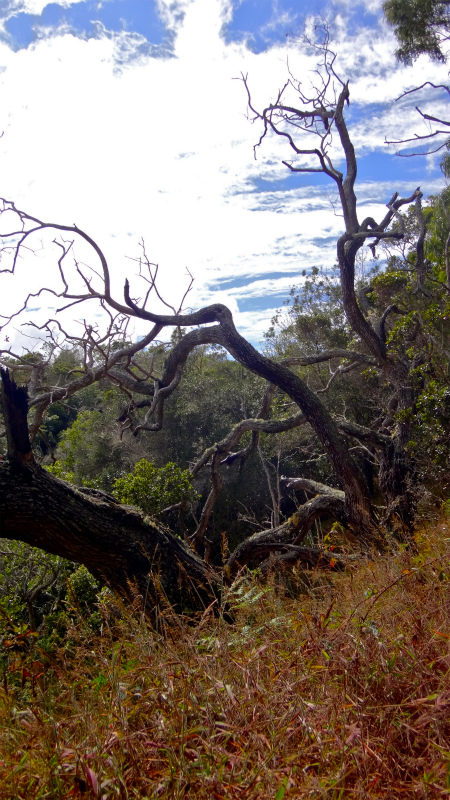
x=357 y=497
x=118 y=544
x=397 y=476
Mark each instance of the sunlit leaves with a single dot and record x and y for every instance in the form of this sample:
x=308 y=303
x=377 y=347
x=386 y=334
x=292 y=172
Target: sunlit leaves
x=154 y=489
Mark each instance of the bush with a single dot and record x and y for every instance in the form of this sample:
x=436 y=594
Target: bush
x=153 y=489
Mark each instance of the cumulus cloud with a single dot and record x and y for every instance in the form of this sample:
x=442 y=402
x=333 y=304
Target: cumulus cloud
x=37 y=6
x=162 y=149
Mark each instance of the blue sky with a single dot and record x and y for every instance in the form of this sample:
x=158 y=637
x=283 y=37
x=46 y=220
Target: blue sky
x=259 y=24
x=88 y=20
x=126 y=117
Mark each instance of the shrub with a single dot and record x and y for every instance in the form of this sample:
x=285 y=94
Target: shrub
x=153 y=489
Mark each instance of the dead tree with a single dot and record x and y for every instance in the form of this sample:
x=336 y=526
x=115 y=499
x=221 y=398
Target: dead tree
x=432 y=141
x=315 y=118
x=117 y=543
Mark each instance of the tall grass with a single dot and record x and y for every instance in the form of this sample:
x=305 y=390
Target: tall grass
x=340 y=692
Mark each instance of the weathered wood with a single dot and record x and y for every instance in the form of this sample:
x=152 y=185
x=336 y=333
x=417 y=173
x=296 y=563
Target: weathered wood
x=118 y=544
x=14 y=404
x=292 y=532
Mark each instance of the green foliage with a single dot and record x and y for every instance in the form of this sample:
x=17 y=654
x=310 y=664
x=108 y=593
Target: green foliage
x=215 y=392
x=30 y=581
x=91 y=451
x=85 y=587
x=421 y=27
x=65 y=367
x=45 y=593
x=311 y=318
x=59 y=470
x=84 y=591
x=401 y=332
x=57 y=419
x=394 y=280
x=433 y=415
x=445 y=161
x=154 y=489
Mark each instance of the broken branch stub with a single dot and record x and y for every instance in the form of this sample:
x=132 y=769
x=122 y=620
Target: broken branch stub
x=14 y=403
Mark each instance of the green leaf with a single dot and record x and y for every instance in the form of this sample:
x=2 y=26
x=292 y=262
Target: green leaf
x=282 y=790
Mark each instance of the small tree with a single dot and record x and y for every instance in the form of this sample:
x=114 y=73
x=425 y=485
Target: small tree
x=155 y=489
x=26 y=577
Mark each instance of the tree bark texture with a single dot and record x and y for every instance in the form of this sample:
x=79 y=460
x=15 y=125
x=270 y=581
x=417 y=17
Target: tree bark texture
x=118 y=544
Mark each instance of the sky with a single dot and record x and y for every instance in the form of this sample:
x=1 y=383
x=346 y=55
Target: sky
x=128 y=118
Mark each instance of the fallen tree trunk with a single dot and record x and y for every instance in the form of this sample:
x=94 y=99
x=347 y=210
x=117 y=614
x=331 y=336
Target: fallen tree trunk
x=118 y=544
x=291 y=532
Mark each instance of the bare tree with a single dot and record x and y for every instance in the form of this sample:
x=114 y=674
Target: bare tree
x=422 y=28
x=319 y=115
x=117 y=543
x=432 y=141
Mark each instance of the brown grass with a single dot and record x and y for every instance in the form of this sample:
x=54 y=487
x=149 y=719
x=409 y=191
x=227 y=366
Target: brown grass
x=343 y=692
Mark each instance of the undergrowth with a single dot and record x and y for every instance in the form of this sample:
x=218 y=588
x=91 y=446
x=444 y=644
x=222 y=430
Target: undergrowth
x=340 y=692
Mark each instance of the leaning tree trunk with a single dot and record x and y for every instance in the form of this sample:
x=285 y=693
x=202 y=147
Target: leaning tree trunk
x=118 y=544
x=359 y=512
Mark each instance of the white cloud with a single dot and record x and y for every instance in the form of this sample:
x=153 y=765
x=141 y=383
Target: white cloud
x=37 y=6
x=172 y=11
x=163 y=150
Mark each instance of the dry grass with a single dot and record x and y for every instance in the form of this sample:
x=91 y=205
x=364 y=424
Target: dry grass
x=341 y=693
